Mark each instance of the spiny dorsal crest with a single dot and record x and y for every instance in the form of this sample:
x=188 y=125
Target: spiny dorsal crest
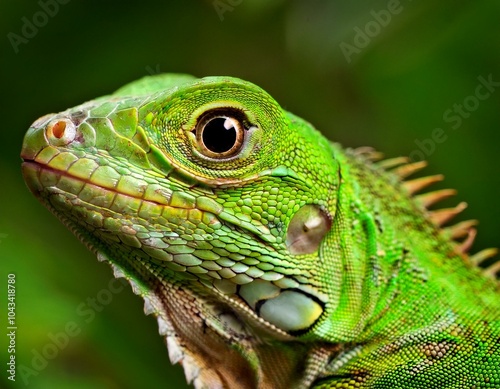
x=462 y=233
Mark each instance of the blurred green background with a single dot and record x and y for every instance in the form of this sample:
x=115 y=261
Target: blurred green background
x=389 y=89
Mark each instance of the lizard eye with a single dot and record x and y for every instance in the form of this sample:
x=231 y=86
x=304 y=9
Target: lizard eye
x=220 y=133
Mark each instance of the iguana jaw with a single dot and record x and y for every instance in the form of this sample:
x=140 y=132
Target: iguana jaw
x=205 y=336
x=62 y=191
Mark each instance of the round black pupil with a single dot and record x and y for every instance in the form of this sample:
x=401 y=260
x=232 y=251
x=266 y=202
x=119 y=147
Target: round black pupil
x=216 y=137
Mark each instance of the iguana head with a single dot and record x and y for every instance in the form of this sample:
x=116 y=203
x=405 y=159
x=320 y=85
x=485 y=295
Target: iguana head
x=210 y=198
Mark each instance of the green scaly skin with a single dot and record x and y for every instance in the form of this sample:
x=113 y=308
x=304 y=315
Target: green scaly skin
x=270 y=257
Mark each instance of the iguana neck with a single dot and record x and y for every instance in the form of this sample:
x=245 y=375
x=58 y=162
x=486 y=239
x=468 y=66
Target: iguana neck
x=383 y=273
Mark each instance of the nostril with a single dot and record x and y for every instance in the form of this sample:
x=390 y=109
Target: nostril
x=60 y=132
x=58 y=129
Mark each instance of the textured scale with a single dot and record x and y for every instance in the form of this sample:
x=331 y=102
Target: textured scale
x=271 y=257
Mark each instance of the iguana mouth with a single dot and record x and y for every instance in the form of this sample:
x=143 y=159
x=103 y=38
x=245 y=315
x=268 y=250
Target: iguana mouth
x=40 y=176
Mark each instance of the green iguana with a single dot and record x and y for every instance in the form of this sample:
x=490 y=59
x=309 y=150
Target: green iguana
x=271 y=257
